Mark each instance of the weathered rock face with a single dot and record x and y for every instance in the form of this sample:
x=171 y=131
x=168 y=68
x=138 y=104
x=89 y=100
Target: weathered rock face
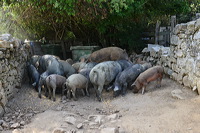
x=13 y=57
x=182 y=59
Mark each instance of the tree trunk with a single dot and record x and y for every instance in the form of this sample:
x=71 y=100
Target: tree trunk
x=63 y=50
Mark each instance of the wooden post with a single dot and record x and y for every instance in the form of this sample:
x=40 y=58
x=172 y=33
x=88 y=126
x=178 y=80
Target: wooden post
x=157 y=32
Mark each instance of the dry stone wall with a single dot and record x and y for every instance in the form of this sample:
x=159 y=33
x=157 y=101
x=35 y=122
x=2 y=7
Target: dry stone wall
x=182 y=59
x=13 y=57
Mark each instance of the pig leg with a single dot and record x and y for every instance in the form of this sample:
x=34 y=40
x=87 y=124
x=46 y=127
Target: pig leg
x=74 y=93
x=124 y=89
x=54 y=95
x=69 y=93
x=63 y=90
x=45 y=91
x=99 y=91
x=86 y=88
x=39 y=91
x=49 y=88
x=95 y=88
x=144 y=87
x=159 y=81
x=83 y=92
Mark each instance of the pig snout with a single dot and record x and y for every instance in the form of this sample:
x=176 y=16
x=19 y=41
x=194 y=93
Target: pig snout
x=116 y=92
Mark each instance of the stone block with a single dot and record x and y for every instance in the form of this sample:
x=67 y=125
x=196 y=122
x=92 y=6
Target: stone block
x=197 y=35
x=186 y=81
x=6 y=37
x=174 y=40
x=190 y=27
x=190 y=65
x=180 y=28
x=174 y=75
x=184 y=46
x=197 y=24
x=179 y=53
x=181 y=62
x=182 y=36
x=4 y=44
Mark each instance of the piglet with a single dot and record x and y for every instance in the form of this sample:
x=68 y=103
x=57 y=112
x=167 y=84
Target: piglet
x=73 y=82
x=151 y=74
x=54 y=81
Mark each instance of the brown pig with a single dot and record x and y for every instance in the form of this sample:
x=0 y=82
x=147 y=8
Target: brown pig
x=108 y=54
x=151 y=74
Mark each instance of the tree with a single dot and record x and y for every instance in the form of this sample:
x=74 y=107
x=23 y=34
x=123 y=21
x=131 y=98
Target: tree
x=105 y=22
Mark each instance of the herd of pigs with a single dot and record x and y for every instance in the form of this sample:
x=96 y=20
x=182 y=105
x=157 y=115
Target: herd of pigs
x=108 y=68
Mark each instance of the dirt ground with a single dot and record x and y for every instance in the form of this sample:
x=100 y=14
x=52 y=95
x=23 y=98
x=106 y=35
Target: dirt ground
x=155 y=111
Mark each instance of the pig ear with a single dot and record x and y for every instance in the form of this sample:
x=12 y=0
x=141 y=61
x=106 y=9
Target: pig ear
x=124 y=50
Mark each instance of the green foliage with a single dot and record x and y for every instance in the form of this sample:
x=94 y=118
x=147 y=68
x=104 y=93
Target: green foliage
x=121 y=21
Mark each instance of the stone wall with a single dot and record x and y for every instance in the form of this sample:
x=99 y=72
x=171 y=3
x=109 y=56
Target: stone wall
x=182 y=59
x=13 y=57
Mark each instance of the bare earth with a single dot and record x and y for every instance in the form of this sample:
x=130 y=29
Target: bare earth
x=154 y=112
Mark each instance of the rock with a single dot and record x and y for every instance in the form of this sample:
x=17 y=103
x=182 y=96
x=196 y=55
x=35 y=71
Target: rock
x=197 y=35
x=15 y=125
x=5 y=125
x=179 y=27
x=22 y=123
x=70 y=120
x=197 y=25
x=92 y=123
x=174 y=40
x=169 y=72
x=80 y=125
x=6 y=37
x=198 y=86
x=59 y=130
x=182 y=36
x=4 y=44
x=186 y=81
x=179 y=53
x=79 y=132
x=16 y=131
x=177 y=94
x=59 y=108
x=102 y=126
x=112 y=117
x=194 y=88
x=190 y=27
x=109 y=130
x=97 y=118
x=1 y=122
x=29 y=115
